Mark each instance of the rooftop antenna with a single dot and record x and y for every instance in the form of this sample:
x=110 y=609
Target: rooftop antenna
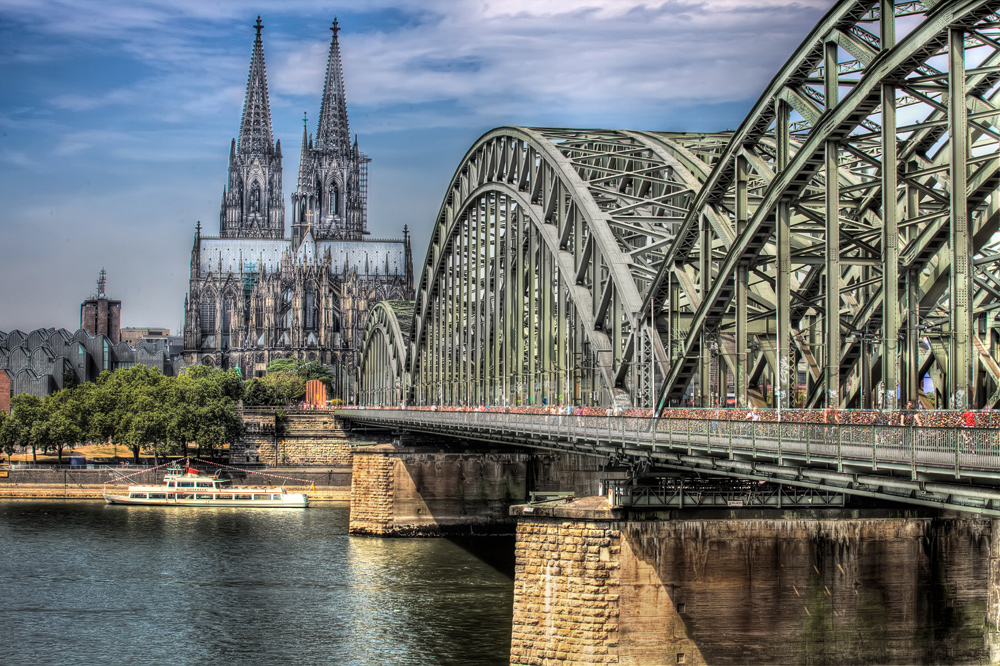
x=101 y=281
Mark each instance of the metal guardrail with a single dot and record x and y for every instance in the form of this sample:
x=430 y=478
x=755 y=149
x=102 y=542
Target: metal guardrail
x=954 y=467
x=675 y=493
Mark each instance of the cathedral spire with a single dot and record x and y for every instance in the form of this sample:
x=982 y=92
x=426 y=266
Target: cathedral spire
x=253 y=206
x=255 y=130
x=303 y=172
x=333 y=133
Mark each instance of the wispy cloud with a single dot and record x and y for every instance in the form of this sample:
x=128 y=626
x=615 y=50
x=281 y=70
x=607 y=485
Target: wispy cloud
x=117 y=114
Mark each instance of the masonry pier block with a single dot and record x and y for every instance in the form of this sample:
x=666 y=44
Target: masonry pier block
x=596 y=586
x=421 y=493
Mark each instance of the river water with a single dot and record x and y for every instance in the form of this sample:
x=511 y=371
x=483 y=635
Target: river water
x=88 y=583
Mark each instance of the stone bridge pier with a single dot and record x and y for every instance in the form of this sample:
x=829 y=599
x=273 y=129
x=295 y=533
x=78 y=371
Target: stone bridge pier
x=596 y=586
x=416 y=488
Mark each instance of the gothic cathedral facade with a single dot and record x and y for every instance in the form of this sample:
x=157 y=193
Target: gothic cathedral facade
x=256 y=295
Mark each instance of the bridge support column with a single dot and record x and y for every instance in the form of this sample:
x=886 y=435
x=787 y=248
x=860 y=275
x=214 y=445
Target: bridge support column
x=409 y=492
x=594 y=586
x=993 y=596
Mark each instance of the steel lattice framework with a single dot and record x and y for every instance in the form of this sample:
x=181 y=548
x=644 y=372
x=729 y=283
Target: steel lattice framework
x=820 y=222
x=543 y=249
x=383 y=353
x=598 y=266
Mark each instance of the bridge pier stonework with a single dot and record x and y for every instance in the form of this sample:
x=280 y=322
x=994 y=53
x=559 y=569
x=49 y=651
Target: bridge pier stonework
x=413 y=492
x=596 y=586
x=993 y=595
x=400 y=490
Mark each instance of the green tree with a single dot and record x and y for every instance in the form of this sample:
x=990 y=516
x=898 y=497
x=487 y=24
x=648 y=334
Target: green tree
x=290 y=386
x=284 y=365
x=30 y=428
x=205 y=409
x=67 y=417
x=262 y=394
x=148 y=419
x=101 y=403
x=128 y=400
x=7 y=440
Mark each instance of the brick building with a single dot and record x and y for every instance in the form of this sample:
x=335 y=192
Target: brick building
x=99 y=315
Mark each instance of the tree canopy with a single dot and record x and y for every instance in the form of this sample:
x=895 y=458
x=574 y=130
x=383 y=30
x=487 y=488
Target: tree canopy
x=137 y=407
x=285 y=382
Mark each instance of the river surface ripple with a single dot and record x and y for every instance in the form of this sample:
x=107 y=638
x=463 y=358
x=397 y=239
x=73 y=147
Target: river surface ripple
x=88 y=583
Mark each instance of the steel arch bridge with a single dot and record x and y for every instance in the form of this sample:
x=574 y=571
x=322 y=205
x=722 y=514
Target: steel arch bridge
x=846 y=232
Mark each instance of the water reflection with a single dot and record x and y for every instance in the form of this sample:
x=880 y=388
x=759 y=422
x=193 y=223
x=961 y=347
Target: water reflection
x=151 y=585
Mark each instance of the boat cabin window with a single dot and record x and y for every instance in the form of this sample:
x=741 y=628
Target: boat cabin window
x=208 y=484
x=157 y=496
x=137 y=495
x=170 y=484
x=268 y=496
x=185 y=484
x=242 y=497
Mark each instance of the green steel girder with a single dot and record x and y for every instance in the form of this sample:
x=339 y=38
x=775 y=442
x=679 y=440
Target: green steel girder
x=812 y=180
x=383 y=353
x=536 y=269
x=600 y=266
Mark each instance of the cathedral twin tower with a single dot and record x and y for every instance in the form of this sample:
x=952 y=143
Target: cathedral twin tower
x=256 y=295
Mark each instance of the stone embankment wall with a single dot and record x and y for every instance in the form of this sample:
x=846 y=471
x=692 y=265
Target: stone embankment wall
x=301 y=438
x=46 y=483
x=320 y=484
x=414 y=493
x=592 y=587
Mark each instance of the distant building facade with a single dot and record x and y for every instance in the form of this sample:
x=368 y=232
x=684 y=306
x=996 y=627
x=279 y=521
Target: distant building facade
x=256 y=295
x=47 y=360
x=134 y=335
x=100 y=315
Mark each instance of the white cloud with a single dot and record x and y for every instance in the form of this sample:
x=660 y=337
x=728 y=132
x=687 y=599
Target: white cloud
x=426 y=80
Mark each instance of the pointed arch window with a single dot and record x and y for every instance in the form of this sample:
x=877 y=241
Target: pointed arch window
x=312 y=311
x=208 y=315
x=255 y=197
x=227 y=321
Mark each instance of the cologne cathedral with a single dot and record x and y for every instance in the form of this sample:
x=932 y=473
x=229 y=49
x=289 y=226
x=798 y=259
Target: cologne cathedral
x=256 y=295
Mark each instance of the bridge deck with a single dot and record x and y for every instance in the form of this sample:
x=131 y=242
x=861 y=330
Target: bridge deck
x=934 y=466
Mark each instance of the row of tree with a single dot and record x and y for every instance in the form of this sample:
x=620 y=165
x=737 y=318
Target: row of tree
x=136 y=407
x=141 y=409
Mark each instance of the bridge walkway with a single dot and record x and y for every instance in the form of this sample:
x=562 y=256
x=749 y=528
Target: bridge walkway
x=932 y=466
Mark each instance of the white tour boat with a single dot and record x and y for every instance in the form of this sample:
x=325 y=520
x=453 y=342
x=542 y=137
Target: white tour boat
x=193 y=488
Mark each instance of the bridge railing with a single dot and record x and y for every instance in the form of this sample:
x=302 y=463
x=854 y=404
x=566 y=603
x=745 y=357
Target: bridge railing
x=953 y=450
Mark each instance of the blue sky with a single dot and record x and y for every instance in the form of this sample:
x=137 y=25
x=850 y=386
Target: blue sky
x=116 y=115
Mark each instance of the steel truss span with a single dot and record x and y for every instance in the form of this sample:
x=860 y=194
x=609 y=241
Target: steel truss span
x=598 y=267
x=859 y=196
x=537 y=266
x=384 y=353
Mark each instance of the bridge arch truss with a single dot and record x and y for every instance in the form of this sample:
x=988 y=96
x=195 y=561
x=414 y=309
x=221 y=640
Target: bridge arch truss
x=599 y=267
x=858 y=198
x=384 y=379
x=544 y=247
